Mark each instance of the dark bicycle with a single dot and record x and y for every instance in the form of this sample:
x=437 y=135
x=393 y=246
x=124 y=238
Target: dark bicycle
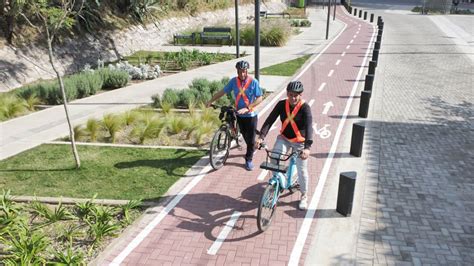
x=222 y=140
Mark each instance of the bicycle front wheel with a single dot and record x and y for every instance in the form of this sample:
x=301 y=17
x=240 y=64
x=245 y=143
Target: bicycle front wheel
x=220 y=146
x=267 y=207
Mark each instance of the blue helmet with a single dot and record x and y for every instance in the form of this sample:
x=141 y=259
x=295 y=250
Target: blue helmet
x=242 y=65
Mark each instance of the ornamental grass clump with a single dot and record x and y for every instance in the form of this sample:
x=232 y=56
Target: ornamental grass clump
x=113 y=124
x=11 y=106
x=92 y=128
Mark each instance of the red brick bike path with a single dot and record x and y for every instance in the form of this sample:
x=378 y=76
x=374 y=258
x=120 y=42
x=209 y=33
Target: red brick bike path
x=187 y=234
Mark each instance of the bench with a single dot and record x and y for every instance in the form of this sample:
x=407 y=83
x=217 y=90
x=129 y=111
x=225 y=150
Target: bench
x=216 y=33
x=282 y=14
x=178 y=37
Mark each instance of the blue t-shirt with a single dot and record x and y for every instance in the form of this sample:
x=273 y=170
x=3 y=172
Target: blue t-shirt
x=253 y=92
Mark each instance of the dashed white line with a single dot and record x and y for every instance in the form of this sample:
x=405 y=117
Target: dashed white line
x=322 y=86
x=331 y=72
x=343 y=54
x=354 y=36
x=357 y=32
x=223 y=235
x=347 y=47
x=351 y=41
x=311 y=102
x=338 y=61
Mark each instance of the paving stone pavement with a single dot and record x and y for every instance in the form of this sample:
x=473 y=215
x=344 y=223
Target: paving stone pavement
x=419 y=201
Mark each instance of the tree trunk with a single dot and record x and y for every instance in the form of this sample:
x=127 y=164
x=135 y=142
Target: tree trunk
x=61 y=86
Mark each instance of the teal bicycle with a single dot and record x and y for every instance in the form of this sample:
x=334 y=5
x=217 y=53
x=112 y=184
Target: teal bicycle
x=280 y=180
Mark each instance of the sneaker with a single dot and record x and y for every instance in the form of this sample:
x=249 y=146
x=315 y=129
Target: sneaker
x=303 y=202
x=249 y=165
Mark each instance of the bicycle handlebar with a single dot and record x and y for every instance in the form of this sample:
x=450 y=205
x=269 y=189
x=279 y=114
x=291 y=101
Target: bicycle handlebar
x=279 y=156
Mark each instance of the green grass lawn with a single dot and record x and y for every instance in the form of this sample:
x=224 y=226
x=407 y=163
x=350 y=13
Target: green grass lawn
x=287 y=68
x=111 y=172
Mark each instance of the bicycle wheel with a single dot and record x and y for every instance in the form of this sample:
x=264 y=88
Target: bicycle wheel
x=266 y=208
x=220 y=146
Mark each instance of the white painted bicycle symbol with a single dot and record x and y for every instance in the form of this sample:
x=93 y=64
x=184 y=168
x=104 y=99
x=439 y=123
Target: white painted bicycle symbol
x=323 y=132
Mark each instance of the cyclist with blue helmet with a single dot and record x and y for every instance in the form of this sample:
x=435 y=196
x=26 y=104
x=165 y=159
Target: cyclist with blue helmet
x=248 y=95
x=296 y=132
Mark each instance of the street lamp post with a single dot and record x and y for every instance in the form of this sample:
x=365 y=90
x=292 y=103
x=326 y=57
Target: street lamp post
x=257 y=39
x=237 y=33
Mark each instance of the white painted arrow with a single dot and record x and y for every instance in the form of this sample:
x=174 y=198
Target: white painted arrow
x=327 y=106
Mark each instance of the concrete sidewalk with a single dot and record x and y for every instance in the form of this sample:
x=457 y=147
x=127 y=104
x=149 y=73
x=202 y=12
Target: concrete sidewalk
x=26 y=132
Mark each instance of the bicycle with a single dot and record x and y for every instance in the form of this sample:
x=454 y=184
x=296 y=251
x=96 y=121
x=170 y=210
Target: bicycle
x=281 y=179
x=222 y=140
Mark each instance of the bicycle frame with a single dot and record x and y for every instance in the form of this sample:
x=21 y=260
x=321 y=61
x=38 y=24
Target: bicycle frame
x=277 y=178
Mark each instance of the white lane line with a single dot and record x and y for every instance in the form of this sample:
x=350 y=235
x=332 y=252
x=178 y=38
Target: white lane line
x=338 y=61
x=223 y=235
x=343 y=54
x=357 y=32
x=311 y=102
x=306 y=226
x=272 y=102
x=144 y=233
x=331 y=72
x=355 y=36
x=351 y=41
x=262 y=175
x=347 y=47
x=322 y=86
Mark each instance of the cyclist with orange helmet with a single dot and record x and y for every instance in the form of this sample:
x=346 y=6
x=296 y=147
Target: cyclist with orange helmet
x=248 y=95
x=296 y=132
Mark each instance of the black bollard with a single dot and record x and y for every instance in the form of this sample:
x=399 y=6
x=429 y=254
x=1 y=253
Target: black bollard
x=371 y=18
x=364 y=103
x=357 y=139
x=360 y=13
x=377 y=45
x=379 y=19
x=381 y=26
x=369 y=82
x=372 y=65
x=380 y=32
x=379 y=38
x=345 y=193
x=365 y=15
x=355 y=11
x=375 y=56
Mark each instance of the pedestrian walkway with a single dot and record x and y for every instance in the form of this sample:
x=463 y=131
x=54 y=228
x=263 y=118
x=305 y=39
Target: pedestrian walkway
x=26 y=132
x=213 y=219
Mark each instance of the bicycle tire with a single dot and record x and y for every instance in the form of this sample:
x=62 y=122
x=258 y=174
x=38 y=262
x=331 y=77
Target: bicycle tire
x=266 y=202
x=219 y=148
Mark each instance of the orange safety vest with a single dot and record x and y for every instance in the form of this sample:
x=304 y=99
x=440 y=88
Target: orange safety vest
x=242 y=92
x=290 y=120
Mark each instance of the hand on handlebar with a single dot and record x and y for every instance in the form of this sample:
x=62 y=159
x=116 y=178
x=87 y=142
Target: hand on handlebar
x=304 y=154
x=243 y=111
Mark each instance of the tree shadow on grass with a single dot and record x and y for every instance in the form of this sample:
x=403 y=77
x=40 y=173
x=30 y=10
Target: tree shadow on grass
x=168 y=165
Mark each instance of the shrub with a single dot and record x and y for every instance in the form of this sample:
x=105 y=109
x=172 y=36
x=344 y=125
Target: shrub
x=187 y=98
x=79 y=132
x=113 y=78
x=274 y=32
x=156 y=101
x=150 y=128
x=200 y=84
x=170 y=96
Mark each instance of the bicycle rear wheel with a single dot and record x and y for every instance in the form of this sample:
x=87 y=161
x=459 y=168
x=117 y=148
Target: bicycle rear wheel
x=220 y=146
x=266 y=208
